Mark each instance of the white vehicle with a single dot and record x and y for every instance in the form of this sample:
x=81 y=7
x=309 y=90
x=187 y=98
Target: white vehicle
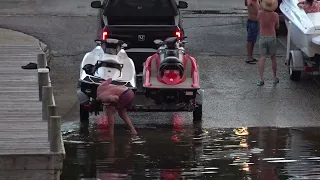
x=304 y=33
x=96 y=67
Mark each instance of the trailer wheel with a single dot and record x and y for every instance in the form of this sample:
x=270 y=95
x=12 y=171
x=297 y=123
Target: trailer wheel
x=84 y=114
x=294 y=75
x=197 y=113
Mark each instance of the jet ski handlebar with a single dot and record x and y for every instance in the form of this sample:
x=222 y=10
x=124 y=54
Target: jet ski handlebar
x=170 y=41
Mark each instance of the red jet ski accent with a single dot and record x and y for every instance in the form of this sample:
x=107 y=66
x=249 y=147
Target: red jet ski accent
x=171 y=68
x=171 y=79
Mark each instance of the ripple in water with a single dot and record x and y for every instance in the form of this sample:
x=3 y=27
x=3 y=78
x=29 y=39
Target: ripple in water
x=191 y=153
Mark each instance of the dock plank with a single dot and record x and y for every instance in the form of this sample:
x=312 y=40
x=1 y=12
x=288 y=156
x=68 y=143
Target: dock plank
x=24 y=146
x=21 y=127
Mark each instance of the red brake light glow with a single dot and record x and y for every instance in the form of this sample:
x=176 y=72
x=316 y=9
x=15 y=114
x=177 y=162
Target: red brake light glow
x=178 y=34
x=104 y=35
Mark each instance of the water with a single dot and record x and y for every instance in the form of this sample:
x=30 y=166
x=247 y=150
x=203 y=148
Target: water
x=191 y=152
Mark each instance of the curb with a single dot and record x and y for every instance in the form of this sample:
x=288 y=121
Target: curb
x=42 y=46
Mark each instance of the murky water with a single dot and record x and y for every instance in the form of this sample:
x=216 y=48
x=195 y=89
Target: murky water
x=192 y=152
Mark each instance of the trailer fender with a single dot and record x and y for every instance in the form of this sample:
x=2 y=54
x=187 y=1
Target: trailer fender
x=199 y=97
x=297 y=61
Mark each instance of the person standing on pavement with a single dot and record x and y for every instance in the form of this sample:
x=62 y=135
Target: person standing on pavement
x=120 y=99
x=268 y=23
x=252 y=28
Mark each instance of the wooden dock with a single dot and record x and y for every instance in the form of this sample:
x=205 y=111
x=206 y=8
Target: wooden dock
x=24 y=144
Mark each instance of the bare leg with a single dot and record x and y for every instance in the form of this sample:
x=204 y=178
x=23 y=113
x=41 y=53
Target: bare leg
x=274 y=67
x=250 y=58
x=123 y=114
x=250 y=50
x=261 y=67
x=110 y=113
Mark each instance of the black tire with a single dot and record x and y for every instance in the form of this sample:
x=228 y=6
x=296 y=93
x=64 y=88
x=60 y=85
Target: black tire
x=84 y=114
x=197 y=113
x=294 y=75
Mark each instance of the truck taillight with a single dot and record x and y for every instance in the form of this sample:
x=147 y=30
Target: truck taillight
x=104 y=35
x=178 y=34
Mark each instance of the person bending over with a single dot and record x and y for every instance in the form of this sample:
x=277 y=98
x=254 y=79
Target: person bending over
x=120 y=99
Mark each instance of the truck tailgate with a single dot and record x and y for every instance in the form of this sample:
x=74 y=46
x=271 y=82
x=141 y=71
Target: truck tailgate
x=141 y=36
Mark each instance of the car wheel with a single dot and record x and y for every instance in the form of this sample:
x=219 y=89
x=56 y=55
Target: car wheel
x=197 y=113
x=84 y=114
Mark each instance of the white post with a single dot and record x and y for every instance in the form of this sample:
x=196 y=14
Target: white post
x=52 y=111
x=43 y=80
x=41 y=60
x=46 y=101
x=55 y=122
x=288 y=39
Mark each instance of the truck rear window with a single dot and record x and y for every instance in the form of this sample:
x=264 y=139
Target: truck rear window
x=139 y=8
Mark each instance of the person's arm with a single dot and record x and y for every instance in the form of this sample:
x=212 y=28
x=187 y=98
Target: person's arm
x=249 y=2
x=259 y=5
x=277 y=24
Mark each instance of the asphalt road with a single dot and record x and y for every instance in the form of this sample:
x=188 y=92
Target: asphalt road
x=218 y=43
x=82 y=7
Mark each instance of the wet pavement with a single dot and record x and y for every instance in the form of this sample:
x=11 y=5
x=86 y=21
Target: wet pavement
x=180 y=151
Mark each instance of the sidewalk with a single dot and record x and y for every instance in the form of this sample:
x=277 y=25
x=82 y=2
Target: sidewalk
x=10 y=37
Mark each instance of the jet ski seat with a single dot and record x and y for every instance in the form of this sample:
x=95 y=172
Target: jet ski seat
x=109 y=64
x=171 y=63
x=91 y=69
x=171 y=60
x=171 y=42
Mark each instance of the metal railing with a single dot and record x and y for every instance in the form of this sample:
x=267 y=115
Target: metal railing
x=49 y=107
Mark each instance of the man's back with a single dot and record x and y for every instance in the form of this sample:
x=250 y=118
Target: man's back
x=269 y=22
x=111 y=90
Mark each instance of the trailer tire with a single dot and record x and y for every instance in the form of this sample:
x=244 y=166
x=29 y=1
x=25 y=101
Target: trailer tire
x=84 y=114
x=293 y=74
x=197 y=113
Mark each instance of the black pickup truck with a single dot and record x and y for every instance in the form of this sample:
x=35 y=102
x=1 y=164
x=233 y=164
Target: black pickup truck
x=139 y=23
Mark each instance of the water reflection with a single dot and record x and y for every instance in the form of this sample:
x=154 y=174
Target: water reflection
x=192 y=152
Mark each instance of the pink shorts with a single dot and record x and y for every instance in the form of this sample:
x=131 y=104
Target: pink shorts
x=125 y=100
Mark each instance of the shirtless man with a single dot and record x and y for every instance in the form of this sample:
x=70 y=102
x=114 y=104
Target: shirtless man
x=120 y=99
x=252 y=28
x=269 y=22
